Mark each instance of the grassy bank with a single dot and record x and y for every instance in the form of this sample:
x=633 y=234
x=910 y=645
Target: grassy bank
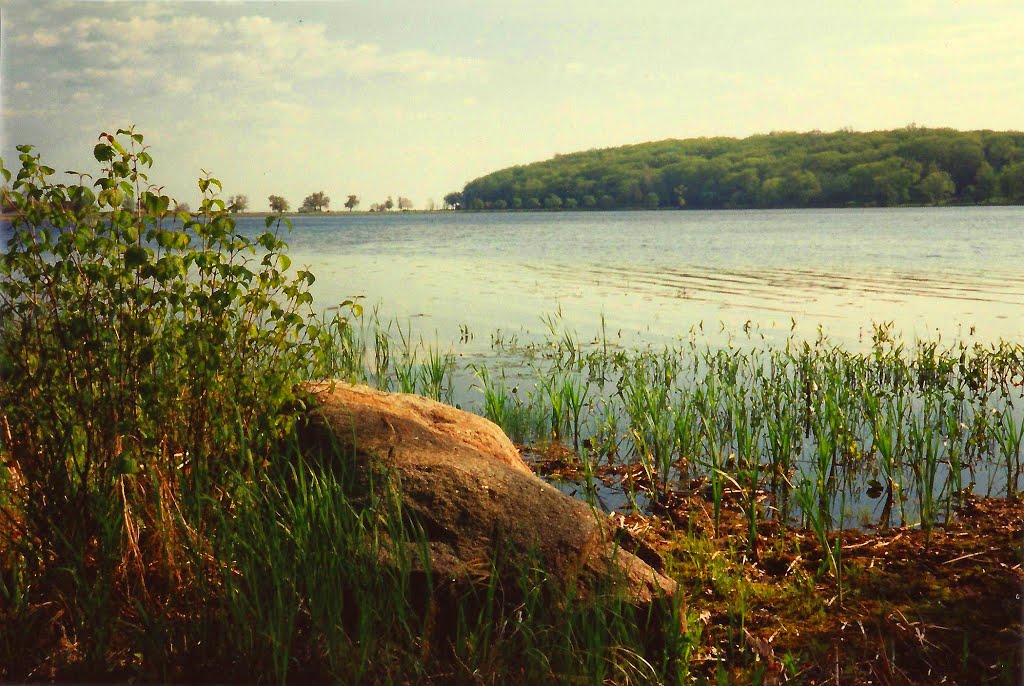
x=161 y=518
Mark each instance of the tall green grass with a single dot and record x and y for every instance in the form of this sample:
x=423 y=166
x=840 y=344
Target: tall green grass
x=901 y=430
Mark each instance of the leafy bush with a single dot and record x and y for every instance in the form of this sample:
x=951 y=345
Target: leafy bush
x=148 y=360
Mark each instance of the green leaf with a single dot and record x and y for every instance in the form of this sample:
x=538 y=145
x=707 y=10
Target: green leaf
x=103 y=152
x=117 y=146
x=151 y=202
x=135 y=257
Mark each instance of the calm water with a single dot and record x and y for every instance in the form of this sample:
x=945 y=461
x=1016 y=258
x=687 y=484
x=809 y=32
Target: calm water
x=654 y=275
x=935 y=272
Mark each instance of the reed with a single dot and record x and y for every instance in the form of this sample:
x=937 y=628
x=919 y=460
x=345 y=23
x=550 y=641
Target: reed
x=806 y=408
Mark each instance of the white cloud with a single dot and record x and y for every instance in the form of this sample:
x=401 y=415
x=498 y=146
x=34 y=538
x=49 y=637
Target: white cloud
x=255 y=48
x=39 y=38
x=248 y=51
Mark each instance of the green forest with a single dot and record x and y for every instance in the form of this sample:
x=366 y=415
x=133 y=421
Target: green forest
x=912 y=165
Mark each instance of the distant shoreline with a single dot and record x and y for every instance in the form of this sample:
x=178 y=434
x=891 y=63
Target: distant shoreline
x=345 y=213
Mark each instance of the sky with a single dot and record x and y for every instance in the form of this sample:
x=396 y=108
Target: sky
x=416 y=97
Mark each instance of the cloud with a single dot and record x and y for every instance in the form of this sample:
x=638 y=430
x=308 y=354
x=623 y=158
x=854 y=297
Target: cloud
x=251 y=48
x=39 y=38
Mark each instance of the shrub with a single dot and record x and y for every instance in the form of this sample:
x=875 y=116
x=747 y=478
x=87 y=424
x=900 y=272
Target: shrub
x=148 y=364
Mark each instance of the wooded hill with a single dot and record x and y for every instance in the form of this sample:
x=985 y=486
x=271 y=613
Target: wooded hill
x=905 y=166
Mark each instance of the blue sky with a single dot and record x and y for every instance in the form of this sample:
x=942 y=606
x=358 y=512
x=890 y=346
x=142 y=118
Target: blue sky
x=414 y=98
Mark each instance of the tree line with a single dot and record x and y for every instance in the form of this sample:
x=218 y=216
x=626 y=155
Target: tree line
x=912 y=165
x=316 y=202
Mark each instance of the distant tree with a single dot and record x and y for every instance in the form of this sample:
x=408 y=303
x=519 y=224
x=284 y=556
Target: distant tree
x=181 y=207
x=986 y=185
x=278 y=203
x=404 y=203
x=533 y=204
x=431 y=205
x=129 y=203
x=388 y=204
x=499 y=204
x=651 y=201
x=794 y=189
x=1012 y=181
x=477 y=204
x=316 y=202
x=937 y=187
x=453 y=200
x=553 y=202
x=571 y=203
x=352 y=202
x=238 y=203
x=589 y=202
x=680 y=194
x=517 y=203
x=1000 y=151
x=886 y=182
x=962 y=159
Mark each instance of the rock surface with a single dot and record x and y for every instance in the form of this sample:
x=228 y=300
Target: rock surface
x=465 y=483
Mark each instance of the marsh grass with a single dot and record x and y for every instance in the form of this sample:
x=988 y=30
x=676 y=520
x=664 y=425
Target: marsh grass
x=910 y=428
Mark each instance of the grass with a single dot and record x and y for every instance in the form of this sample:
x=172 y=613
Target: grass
x=926 y=423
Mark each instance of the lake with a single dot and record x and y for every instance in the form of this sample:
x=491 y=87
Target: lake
x=953 y=272
x=461 y=281
x=950 y=272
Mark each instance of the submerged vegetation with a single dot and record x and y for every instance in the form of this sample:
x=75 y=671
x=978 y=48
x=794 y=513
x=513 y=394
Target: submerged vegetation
x=161 y=519
x=845 y=168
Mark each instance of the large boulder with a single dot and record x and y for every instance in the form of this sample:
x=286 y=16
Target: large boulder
x=464 y=482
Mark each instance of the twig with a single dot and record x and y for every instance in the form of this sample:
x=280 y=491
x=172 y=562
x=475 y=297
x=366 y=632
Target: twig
x=964 y=557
